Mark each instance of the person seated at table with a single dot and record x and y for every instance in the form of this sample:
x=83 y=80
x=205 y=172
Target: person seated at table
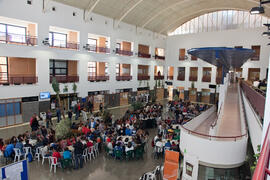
x=89 y=143
x=66 y=154
x=168 y=144
x=128 y=132
x=9 y=150
x=85 y=130
x=129 y=147
x=118 y=147
x=121 y=131
x=110 y=147
x=27 y=144
x=174 y=147
x=57 y=155
x=19 y=145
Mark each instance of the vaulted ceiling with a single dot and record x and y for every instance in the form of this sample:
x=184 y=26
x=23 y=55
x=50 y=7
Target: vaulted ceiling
x=161 y=16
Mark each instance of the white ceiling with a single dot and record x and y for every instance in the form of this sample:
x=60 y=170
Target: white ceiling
x=162 y=16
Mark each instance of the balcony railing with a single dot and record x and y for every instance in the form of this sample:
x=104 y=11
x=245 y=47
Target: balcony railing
x=182 y=58
x=219 y=80
x=123 y=52
x=65 y=45
x=193 y=78
x=18 y=39
x=19 y=79
x=160 y=57
x=170 y=77
x=65 y=79
x=143 y=77
x=159 y=77
x=98 y=49
x=142 y=55
x=123 y=78
x=98 y=78
x=206 y=79
x=180 y=78
x=256 y=99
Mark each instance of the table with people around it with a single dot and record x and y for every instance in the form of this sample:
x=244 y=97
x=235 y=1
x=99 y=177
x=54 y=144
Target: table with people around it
x=125 y=138
x=168 y=134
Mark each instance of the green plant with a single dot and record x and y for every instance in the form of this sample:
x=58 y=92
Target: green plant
x=74 y=87
x=62 y=129
x=256 y=156
x=158 y=83
x=192 y=85
x=137 y=105
x=175 y=98
x=140 y=83
x=65 y=89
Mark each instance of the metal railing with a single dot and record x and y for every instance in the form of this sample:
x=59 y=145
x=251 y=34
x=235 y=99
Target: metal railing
x=193 y=78
x=65 y=79
x=180 y=78
x=19 y=79
x=143 y=55
x=170 y=77
x=219 y=80
x=210 y=137
x=143 y=77
x=98 y=78
x=262 y=171
x=158 y=77
x=123 y=52
x=18 y=39
x=65 y=44
x=98 y=49
x=256 y=99
x=160 y=57
x=206 y=79
x=123 y=78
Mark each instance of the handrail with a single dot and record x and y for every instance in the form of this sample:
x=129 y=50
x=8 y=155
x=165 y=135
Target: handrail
x=263 y=161
x=210 y=136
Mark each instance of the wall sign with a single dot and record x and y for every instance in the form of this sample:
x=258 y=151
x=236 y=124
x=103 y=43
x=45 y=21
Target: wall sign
x=44 y=95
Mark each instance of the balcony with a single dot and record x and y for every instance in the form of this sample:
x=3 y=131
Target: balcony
x=206 y=79
x=193 y=78
x=256 y=99
x=158 y=77
x=66 y=45
x=123 y=52
x=123 y=78
x=65 y=79
x=18 y=39
x=143 y=77
x=98 y=78
x=182 y=58
x=160 y=57
x=181 y=78
x=142 y=55
x=219 y=80
x=98 y=49
x=170 y=77
x=19 y=79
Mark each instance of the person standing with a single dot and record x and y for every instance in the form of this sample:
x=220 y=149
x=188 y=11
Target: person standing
x=58 y=114
x=49 y=119
x=78 y=152
x=34 y=122
x=70 y=114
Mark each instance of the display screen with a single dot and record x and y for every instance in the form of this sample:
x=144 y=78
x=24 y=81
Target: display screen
x=44 y=95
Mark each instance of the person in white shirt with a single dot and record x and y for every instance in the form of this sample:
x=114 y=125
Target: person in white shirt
x=256 y=83
x=129 y=147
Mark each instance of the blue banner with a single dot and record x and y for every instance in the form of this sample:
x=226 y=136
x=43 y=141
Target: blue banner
x=15 y=171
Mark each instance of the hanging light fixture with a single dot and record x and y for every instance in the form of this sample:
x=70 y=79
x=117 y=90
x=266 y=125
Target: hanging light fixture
x=259 y=9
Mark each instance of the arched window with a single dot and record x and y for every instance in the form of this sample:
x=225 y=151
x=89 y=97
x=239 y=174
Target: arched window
x=221 y=20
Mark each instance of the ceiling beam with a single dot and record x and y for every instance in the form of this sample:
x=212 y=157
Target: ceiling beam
x=45 y=4
x=182 y=20
x=179 y=3
x=127 y=12
x=89 y=9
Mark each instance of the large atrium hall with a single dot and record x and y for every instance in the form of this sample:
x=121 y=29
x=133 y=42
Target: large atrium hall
x=134 y=89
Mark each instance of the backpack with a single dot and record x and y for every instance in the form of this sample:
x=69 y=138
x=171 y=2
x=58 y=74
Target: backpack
x=29 y=157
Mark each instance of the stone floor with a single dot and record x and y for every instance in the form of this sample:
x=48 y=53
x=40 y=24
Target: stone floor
x=101 y=168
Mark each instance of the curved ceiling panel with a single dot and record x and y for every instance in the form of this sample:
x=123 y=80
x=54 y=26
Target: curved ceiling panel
x=160 y=16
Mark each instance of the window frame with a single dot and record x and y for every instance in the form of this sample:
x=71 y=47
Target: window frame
x=7 y=33
x=54 y=68
x=52 y=41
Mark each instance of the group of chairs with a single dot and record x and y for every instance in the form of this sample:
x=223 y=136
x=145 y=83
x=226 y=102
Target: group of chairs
x=129 y=155
x=88 y=154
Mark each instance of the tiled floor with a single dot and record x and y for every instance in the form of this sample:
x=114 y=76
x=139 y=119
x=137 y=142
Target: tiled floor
x=230 y=124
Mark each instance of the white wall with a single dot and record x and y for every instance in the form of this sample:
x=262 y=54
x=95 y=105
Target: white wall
x=229 y=38
x=63 y=18
x=214 y=153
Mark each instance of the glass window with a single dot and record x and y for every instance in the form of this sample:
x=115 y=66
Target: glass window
x=10 y=109
x=58 y=67
x=17 y=106
x=58 y=39
x=92 y=68
x=92 y=42
x=106 y=69
x=16 y=33
x=221 y=20
x=2 y=110
x=117 y=69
